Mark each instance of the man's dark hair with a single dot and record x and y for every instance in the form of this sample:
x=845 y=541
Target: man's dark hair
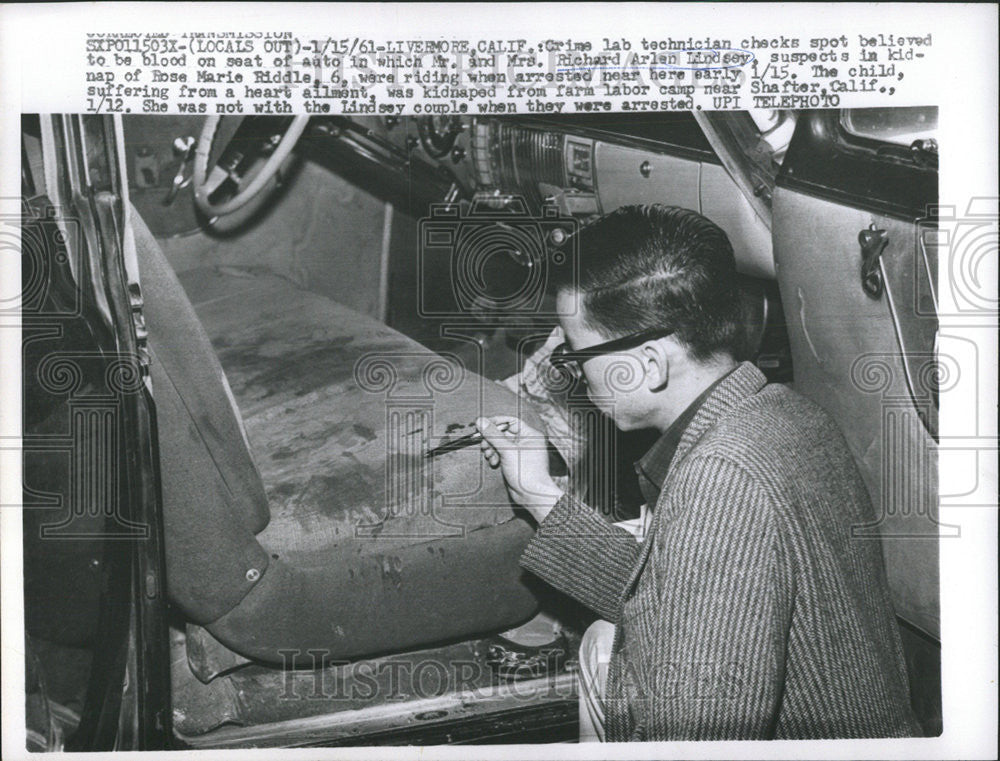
x=659 y=266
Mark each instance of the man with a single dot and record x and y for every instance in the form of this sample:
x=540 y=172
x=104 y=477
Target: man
x=748 y=611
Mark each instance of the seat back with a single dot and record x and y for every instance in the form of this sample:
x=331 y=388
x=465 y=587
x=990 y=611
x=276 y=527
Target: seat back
x=209 y=478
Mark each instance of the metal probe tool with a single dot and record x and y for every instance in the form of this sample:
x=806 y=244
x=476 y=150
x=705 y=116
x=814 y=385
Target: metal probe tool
x=461 y=442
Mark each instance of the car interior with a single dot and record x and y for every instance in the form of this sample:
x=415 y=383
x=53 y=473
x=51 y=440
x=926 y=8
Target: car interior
x=307 y=329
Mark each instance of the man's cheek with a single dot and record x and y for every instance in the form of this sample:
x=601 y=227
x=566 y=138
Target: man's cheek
x=599 y=395
x=615 y=408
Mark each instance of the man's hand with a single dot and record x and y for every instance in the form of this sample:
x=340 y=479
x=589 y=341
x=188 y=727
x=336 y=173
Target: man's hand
x=522 y=455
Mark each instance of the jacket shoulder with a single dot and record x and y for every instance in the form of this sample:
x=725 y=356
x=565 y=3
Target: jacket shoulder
x=776 y=433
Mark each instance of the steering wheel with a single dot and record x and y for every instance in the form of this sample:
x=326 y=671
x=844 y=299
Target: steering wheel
x=205 y=183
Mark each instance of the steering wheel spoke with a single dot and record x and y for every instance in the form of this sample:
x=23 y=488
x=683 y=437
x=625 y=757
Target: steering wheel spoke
x=246 y=145
x=216 y=177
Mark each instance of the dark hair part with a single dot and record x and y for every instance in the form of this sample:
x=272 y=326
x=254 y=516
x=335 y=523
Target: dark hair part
x=660 y=266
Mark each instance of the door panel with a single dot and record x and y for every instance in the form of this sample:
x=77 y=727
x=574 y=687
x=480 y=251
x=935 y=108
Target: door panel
x=847 y=359
x=855 y=261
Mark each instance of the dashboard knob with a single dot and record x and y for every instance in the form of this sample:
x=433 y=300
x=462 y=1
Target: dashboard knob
x=645 y=169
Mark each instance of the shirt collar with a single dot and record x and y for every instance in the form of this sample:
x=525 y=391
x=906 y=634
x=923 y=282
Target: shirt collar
x=653 y=466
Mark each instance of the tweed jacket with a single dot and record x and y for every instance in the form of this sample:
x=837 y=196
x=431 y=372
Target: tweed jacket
x=749 y=611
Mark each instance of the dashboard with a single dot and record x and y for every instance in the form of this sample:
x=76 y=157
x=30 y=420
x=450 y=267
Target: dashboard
x=587 y=165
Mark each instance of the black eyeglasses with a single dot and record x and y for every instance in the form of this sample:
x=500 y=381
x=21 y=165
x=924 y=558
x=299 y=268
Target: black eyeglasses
x=566 y=360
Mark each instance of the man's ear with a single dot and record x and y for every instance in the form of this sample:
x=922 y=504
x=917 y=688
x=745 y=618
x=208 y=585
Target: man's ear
x=656 y=362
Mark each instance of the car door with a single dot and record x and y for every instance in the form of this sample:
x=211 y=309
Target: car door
x=853 y=217
x=92 y=528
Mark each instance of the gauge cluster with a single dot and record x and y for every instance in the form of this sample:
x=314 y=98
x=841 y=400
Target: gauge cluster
x=471 y=156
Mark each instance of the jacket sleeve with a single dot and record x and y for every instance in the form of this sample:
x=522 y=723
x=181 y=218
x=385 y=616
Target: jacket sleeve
x=722 y=619
x=579 y=553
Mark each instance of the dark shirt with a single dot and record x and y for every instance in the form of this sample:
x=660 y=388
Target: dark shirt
x=652 y=467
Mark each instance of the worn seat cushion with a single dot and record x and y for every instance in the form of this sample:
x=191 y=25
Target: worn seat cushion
x=311 y=378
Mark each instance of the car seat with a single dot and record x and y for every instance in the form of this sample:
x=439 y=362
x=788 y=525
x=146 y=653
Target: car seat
x=318 y=525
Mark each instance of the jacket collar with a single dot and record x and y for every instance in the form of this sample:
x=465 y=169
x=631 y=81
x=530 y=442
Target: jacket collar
x=743 y=382
x=653 y=466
